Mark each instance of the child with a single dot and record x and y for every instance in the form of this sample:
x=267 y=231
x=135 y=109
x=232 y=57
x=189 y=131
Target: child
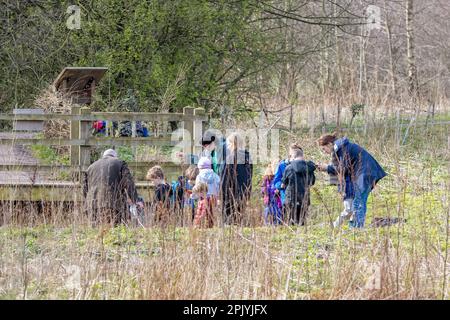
x=207 y=176
x=163 y=192
x=297 y=179
x=279 y=169
x=203 y=216
x=191 y=174
x=272 y=200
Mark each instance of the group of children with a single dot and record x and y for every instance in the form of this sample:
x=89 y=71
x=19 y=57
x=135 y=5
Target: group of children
x=198 y=190
x=285 y=190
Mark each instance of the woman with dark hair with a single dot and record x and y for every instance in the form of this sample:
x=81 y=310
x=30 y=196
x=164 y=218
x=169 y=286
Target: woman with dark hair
x=357 y=169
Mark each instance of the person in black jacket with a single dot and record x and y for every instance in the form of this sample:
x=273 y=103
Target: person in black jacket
x=160 y=205
x=236 y=180
x=297 y=179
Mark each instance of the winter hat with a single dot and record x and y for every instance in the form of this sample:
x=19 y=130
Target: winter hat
x=204 y=163
x=110 y=153
x=207 y=138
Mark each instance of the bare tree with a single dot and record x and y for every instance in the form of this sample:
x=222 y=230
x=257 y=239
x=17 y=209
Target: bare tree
x=412 y=68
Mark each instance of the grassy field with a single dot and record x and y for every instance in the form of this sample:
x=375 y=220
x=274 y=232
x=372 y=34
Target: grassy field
x=69 y=260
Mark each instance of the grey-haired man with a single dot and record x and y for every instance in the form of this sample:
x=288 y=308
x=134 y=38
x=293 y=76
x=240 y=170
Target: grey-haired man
x=108 y=189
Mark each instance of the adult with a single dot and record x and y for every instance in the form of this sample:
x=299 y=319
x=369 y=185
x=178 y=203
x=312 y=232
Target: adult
x=214 y=147
x=236 y=179
x=356 y=168
x=108 y=189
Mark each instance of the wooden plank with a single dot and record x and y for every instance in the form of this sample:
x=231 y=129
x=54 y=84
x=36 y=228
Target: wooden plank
x=28 y=125
x=75 y=134
x=188 y=133
x=138 y=170
x=85 y=132
x=56 y=192
x=142 y=116
x=109 y=116
x=198 y=131
x=75 y=73
x=45 y=142
x=53 y=167
x=128 y=141
x=119 y=141
x=36 y=167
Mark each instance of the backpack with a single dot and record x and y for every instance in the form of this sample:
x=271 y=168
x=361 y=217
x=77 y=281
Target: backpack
x=177 y=194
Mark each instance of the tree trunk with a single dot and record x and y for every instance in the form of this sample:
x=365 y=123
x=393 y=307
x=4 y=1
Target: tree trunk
x=339 y=90
x=390 y=48
x=412 y=69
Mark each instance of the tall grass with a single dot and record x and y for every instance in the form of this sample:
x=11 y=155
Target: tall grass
x=56 y=254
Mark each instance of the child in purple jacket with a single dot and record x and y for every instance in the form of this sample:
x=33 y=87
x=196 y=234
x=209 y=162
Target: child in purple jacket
x=272 y=200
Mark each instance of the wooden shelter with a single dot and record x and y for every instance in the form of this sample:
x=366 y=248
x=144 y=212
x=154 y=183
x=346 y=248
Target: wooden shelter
x=78 y=83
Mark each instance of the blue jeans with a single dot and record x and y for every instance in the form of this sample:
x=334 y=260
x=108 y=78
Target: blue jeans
x=273 y=214
x=359 y=207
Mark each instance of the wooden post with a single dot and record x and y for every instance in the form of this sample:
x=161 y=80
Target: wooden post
x=133 y=135
x=198 y=131
x=85 y=152
x=75 y=134
x=91 y=91
x=188 y=125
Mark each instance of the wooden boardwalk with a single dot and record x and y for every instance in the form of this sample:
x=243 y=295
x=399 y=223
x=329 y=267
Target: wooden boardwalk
x=34 y=186
x=17 y=155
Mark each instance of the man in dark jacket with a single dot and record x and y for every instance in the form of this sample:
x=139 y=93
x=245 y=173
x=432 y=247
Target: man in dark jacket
x=108 y=189
x=297 y=179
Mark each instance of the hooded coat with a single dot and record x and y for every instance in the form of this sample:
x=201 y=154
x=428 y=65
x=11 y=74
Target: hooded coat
x=278 y=176
x=358 y=167
x=297 y=178
x=209 y=177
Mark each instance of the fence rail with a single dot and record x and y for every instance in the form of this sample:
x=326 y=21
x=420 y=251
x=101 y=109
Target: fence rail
x=91 y=142
x=81 y=142
x=55 y=191
x=109 y=116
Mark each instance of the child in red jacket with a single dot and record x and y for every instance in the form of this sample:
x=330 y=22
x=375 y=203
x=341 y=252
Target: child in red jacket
x=204 y=214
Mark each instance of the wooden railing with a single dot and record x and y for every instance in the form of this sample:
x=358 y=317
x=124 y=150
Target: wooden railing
x=81 y=140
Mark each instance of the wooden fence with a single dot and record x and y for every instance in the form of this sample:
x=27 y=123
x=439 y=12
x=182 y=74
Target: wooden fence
x=81 y=142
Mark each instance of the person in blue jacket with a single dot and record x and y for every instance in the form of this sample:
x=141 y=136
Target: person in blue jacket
x=276 y=183
x=359 y=170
